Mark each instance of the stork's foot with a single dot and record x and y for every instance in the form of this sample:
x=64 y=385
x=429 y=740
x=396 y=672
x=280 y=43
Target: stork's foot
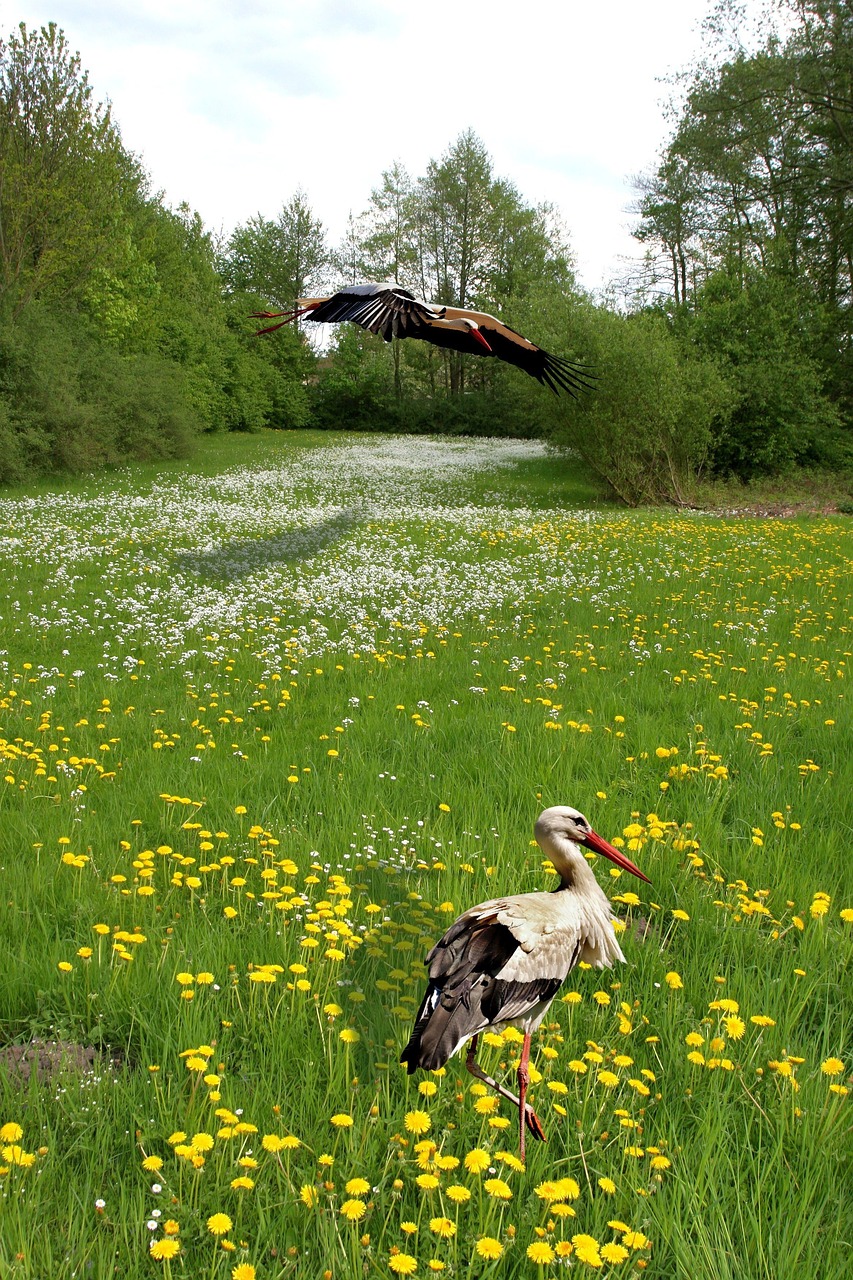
x=533 y=1123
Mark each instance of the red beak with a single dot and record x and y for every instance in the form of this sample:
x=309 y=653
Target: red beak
x=475 y=333
x=599 y=845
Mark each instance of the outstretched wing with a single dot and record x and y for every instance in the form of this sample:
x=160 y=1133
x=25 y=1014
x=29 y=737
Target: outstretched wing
x=508 y=345
x=386 y=309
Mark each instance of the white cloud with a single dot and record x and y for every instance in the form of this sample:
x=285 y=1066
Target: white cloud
x=232 y=106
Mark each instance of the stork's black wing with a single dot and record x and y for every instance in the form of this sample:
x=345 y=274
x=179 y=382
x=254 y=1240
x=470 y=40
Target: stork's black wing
x=386 y=309
x=552 y=371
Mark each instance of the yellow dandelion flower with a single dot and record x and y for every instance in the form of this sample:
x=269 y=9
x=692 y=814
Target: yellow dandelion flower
x=403 y=1264
x=342 y=1120
x=735 y=1027
x=11 y=1132
x=477 y=1160
x=219 y=1224
x=242 y=1184
x=243 y=1271
x=353 y=1209
x=152 y=1163
x=418 y=1122
x=635 y=1240
x=488 y=1247
x=487 y=1106
x=541 y=1253
x=673 y=980
x=427 y=1181
x=457 y=1193
x=164 y=1250
x=444 y=1227
x=832 y=1067
x=409 y=1228
x=498 y=1189
x=608 y=1186
x=613 y=1253
x=308 y=1195
x=357 y=1187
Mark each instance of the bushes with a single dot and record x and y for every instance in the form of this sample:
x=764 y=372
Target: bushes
x=763 y=330
x=647 y=428
x=70 y=403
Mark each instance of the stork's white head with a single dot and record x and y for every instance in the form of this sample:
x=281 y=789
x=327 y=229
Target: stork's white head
x=561 y=823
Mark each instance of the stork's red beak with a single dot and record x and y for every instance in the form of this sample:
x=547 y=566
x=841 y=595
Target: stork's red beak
x=599 y=845
x=475 y=333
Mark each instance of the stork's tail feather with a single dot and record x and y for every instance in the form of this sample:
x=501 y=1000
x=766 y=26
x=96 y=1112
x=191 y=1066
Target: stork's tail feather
x=439 y=1031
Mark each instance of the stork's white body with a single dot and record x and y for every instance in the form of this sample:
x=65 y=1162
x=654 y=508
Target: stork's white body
x=502 y=962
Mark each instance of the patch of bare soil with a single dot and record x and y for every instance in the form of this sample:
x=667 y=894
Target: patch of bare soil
x=774 y=510
x=47 y=1059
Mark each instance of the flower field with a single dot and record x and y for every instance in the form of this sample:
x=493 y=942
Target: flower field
x=269 y=723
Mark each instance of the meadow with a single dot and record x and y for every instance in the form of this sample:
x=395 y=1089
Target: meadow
x=269 y=722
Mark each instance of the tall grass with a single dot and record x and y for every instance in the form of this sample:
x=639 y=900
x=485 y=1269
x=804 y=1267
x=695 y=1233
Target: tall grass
x=269 y=724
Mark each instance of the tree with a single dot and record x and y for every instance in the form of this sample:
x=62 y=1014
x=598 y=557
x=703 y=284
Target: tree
x=279 y=260
x=669 y=216
x=756 y=324
x=61 y=166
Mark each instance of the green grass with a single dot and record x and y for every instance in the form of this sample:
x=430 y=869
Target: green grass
x=316 y=690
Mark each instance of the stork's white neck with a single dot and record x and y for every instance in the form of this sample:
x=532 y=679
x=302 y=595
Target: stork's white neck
x=569 y=862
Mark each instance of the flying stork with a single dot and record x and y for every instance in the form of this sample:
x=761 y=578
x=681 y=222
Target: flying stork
x=502 y=962
x=393 y=312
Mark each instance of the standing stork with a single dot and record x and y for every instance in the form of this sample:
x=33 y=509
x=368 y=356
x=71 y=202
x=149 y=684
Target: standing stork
x=502 y=962
x=393 y=312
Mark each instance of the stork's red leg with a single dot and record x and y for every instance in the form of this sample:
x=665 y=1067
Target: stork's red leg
x=524 y=1108
x=289 y=316
x=527 y=1117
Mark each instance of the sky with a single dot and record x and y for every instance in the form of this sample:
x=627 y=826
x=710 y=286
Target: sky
x=233 y=106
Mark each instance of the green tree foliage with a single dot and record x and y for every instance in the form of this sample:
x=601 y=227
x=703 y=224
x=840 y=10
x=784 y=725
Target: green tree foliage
x=278 y=260
x=761 y=328
x=146 y=348
x=61 y=165
x=751 y=209
x=69 y=402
